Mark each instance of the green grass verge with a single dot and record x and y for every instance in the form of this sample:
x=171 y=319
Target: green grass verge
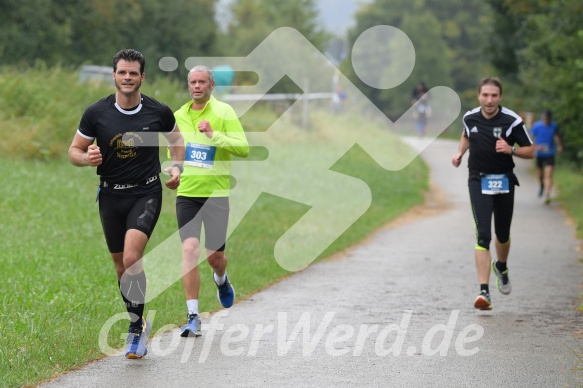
x=42 y=106
x=569 y=182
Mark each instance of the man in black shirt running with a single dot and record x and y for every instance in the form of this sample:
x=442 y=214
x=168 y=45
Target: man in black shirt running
x=119 y=135
x=493 y=134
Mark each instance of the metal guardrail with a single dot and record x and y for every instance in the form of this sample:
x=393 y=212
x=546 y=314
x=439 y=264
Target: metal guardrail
x=303 y=97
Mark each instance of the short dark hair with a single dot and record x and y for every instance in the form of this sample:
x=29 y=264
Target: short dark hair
x=129 y=55
x=547 y=113
x=490 y=81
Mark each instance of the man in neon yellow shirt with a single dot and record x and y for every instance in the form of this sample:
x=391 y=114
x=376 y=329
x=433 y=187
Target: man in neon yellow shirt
x=212 y=133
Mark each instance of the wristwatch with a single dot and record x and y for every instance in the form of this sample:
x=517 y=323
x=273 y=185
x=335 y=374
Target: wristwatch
x=180 y=167
x=513 y=150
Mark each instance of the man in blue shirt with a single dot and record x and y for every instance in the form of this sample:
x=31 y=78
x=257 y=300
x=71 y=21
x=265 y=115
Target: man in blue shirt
x=547 y=142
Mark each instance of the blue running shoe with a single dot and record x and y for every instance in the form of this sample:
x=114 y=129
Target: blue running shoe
x=137 y=341
x=192 y=329
x=226 y=293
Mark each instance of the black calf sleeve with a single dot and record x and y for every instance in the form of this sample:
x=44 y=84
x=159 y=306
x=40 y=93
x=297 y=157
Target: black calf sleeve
x=133 y=292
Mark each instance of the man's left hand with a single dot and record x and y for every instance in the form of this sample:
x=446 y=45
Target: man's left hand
x=174 y=180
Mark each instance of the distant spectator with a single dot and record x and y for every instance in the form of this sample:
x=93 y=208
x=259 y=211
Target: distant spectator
x=338 y=99
x=419 y=91
x=420 y=99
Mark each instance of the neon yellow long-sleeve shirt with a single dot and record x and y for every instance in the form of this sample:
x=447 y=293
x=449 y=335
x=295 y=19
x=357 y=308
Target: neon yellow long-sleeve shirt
x=207 y=162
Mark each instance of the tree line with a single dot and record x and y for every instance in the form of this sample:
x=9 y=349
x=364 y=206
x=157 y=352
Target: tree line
x=72 y=33
x=535 y=46
x=539 y=45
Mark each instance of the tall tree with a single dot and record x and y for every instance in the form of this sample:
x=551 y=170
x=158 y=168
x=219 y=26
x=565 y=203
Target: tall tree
x=70 y=32
x=434 y=57
x=34 y=30
x=464 y=26
x=182 y=30
x=253 y=21
x=549 y=62
x=506 y=39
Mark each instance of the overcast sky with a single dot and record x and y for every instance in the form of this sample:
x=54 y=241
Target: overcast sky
x=336 y=15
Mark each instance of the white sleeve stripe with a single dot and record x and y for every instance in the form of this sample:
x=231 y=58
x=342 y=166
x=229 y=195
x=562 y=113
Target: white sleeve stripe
x=84 y=136
x=466 y=129
x=470 y=112
x=515 y=125
x=527 y=134
x=511 y=113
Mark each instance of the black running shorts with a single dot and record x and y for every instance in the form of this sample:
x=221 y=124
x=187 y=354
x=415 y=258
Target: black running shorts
x=122 y=213
x=541 y=162
x=192 y=213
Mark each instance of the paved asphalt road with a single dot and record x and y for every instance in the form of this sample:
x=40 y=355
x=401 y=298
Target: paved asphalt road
x=395 y=311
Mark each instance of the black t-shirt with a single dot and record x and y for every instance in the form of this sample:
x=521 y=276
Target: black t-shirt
x=483 y=134
x=128 y=140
